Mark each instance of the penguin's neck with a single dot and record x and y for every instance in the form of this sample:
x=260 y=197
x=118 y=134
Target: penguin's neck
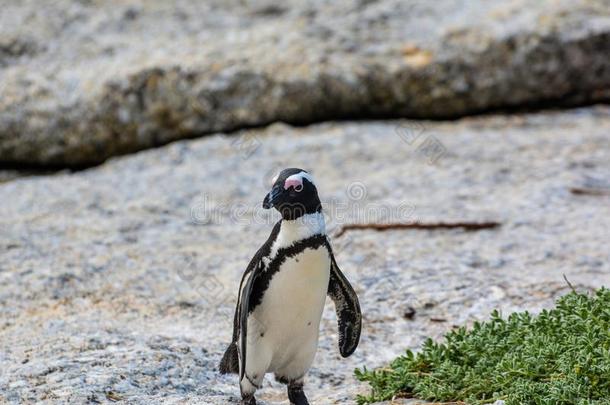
x=305 y=226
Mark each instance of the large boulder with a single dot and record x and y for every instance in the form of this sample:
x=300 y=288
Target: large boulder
x=81 y=81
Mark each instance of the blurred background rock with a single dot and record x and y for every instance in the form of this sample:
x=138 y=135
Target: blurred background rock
x=83 y=80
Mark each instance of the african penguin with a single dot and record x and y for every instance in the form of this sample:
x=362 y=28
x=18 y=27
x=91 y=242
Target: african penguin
x=282 y=294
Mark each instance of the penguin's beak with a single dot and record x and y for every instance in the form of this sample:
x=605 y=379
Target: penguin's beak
x=272 y=198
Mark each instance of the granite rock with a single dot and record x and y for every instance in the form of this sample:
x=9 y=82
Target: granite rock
x=83 y=80
x=119 y=282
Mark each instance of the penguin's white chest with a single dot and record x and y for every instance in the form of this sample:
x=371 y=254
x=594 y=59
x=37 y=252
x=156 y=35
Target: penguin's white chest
x=288 y=318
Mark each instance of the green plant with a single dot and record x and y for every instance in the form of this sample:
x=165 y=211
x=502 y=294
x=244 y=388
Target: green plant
x=561 y=356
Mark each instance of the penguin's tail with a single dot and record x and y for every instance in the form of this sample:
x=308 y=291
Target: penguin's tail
x=230 y=360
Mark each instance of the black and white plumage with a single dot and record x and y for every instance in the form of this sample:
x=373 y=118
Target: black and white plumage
x=282 y=295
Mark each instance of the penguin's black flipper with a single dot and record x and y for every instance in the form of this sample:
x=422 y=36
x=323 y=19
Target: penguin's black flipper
x=242 y=308
x=347 y=308
x=230 y=360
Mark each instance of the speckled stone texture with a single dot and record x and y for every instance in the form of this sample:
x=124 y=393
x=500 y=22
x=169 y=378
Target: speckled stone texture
x=82 y=80
x=120 y=281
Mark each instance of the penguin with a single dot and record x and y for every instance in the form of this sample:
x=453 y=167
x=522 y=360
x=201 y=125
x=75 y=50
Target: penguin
x=282 y=294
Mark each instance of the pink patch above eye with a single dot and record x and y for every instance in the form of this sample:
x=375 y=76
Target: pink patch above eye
x=297 y=183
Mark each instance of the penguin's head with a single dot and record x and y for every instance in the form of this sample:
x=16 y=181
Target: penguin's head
x=293 y=193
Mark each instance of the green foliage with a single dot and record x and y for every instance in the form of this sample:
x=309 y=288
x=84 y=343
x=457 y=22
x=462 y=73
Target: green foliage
x=561 y=356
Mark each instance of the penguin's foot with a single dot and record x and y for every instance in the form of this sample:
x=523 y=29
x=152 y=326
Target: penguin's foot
x=248 y=400
x=296 y=394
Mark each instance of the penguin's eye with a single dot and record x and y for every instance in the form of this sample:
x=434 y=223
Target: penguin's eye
x=298 y=188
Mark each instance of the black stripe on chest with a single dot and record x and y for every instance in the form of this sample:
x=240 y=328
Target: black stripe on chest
x=261 y=283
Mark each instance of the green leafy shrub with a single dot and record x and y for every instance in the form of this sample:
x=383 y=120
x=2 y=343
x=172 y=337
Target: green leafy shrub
x=561 y=356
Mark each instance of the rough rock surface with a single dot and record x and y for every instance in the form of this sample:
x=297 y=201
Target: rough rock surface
x=119 y=281
x=82 y=80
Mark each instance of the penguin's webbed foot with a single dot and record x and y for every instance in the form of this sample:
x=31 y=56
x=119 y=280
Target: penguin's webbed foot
x=296 y=394
x=248 y=400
